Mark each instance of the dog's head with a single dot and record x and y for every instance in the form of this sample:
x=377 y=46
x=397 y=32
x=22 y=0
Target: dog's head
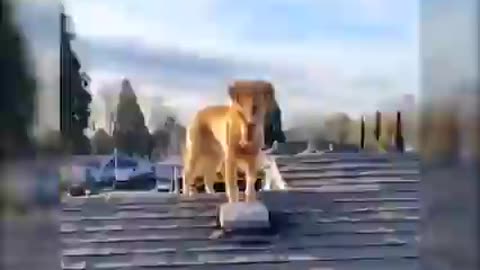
x=256 y=98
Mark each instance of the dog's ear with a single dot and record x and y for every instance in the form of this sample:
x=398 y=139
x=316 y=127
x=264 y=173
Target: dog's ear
x=233 y=93
x=269 y=97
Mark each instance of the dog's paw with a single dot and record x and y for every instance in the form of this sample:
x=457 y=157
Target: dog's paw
x=243 y=143
x=250 y=197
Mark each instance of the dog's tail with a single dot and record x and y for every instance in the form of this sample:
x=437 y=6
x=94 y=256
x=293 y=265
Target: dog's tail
x=184 y=157
x=183 y=152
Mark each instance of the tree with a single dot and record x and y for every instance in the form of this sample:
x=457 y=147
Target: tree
x=81 y=100
x=51 y=142
x=273 y=126
x=109 y=96
x=75 y=97
x=130 y=134
x=177 y=135
x=17 y=92
x=102 y=143
x=161 y=143
x=338 y=127
x=159 y=113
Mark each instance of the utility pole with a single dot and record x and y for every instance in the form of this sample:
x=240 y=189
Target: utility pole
x=362 y=132
x=65 y=78
x=378 y=125
x=399 y=141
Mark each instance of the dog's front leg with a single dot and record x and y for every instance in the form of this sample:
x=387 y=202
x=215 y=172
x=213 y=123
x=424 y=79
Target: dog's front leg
x=250 y=179
x=209 y=180
x=185 y=184
x=230 y=180
x=188 y=184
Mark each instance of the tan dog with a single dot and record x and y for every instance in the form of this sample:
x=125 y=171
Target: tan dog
x=231 y=136
x=213 y=132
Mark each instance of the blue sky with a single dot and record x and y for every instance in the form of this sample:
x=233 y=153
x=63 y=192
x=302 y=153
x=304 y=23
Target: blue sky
x=322 y=55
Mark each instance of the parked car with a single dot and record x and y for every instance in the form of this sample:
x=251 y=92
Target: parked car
x=133 y=174
x=85 y=178
x=98 y=172
x=77 y=190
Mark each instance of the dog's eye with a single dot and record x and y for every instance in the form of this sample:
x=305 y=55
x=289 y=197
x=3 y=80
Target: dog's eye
x=254 y=109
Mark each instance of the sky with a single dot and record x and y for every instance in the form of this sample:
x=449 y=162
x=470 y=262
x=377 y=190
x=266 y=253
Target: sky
x=321 y=56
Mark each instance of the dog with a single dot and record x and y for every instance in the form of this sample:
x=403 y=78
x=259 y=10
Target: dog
x=213 y=132
x=229 y=137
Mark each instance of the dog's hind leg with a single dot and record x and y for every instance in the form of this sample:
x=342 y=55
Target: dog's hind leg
x=191 y=173
x=192 y=164
x=231 y=187
x=210 y=169
x=250 y=179
x=210 y=177
x=188 y=181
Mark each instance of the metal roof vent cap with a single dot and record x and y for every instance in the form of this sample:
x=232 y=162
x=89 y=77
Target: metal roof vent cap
x=244 y=216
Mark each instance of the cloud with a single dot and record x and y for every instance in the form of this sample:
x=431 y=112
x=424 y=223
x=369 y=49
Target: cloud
x=189 y=81
x=170 y=67
x=286 y=21
x=321 y=55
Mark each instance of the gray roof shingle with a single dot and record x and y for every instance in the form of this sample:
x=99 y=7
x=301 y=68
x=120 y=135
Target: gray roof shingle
x=341 y=224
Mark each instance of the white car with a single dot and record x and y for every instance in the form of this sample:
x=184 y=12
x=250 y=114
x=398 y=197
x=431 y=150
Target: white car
x=131 y=172
x=100 y=173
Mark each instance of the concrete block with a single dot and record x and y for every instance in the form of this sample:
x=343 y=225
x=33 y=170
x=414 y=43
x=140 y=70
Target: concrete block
x=244 y=215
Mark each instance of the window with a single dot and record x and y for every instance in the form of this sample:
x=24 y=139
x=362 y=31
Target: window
x=110 y=164
x=126 y=163
x=94 y=164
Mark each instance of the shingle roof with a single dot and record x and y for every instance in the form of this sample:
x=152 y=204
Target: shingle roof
x=364 y=227
x=351 y=170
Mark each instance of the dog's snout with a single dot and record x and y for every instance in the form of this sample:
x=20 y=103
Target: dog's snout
x=250 y=131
